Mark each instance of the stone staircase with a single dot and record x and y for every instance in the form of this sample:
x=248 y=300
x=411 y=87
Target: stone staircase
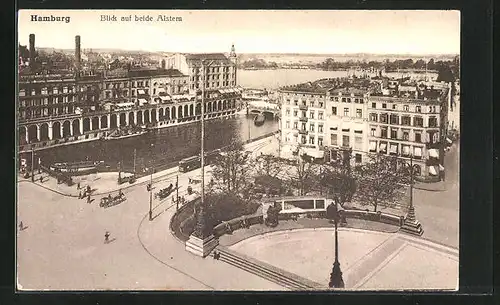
x=266 y=271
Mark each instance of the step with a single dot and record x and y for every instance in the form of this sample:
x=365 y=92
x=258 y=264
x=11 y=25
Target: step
x=269 y=270
x=273 y=277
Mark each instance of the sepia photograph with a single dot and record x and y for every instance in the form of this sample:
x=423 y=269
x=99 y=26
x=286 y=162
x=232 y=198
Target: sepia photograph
x=237 y=150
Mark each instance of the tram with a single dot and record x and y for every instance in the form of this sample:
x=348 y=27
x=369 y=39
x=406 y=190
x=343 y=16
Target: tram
x=192 y=163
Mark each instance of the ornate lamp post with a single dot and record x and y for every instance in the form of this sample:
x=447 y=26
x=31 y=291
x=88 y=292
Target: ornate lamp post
x=411 y=224
x=151 y=189
x=202 y=242
x=336 y=280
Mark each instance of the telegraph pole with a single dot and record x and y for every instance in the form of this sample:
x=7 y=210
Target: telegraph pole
x=135 y=156
x=32 y=163
x=177 y=193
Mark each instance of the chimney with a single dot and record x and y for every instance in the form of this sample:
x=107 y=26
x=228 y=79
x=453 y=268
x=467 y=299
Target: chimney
x=32 y=49
x=77 y=52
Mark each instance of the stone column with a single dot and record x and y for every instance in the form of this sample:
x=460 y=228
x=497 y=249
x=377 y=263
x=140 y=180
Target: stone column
x=157 y=115
x=81 y=124
x=71 y=132
x=118 y=119
x=127 y=120
x=26 y=134
x=38 y=132
x=108 y=120
x=50 y=130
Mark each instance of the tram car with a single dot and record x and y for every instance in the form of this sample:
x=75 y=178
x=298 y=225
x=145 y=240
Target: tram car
x=110 y=201
x=163 y=193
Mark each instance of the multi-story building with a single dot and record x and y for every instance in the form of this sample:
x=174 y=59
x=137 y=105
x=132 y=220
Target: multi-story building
x=402 y=120
x=56 y=109
x=303 y=122
x=347 y=128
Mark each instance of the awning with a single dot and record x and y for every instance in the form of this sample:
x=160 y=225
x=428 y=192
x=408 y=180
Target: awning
x=434 y=153
x=394 y=148
x=140 y=91
x=161 y=90
x=432 y=170
x=142 y=101
x=449 y=141
x=125 y=104
x=418 y=151
x=373 y=146
x=406 y=150
x=382 y=147
x=441 y=167
x=165 y=98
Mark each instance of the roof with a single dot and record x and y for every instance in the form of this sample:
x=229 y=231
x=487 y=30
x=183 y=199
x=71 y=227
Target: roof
x=348 y=91
x=156 y=72
x=209 y=56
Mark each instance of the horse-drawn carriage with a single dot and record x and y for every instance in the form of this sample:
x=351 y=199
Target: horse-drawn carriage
x=163 y=193
x=110 y=201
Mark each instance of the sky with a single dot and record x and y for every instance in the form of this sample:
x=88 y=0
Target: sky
x=258 y=31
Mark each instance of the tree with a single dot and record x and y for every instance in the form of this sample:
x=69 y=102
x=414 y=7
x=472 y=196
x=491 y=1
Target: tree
x=445 y=74
x=269 y=165
x=304 y=176
x=380 y=181
x=231 y=169
x=337 y=176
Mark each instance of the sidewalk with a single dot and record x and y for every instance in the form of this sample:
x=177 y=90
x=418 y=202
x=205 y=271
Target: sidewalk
x=431 y=187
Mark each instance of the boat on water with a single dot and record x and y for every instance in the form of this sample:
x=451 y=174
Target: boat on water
x=259 y=119
x=124 y=134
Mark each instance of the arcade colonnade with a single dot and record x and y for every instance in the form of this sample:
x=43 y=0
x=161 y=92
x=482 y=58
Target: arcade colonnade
x=71 y=126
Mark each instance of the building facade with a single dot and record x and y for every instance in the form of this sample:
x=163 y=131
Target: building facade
x=405 y=121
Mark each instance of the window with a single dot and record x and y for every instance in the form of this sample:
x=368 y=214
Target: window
x=406 y=108
x=343 y=100
x=358 y=158
x=405 y=120
x=358 y=142
x=311 y=103
x=406 y=135
x=295 y=112
x=287 y=124
x=383 y=132
x=320 y=128
x=418 y=122
x=336 y=99
x=432 y=121
x=311 y=139
x=418 y=109
x=361 y=101
x=345 y=141
x=383 y=118
x=374 y=105
x=295 y=125
x=304 y=114
x=320 y=141
x=334 y=110
x=394 y=133
x=394 y=119
x=346 y=111
x=333 y=139
x=359 y=113
x=418 y=137
x=304 y=126
x=311 y=127
x=296 y=102
x=373 y=132
x=384 y=105
x=373 y=117
x=288 y=111
x=320 y=104
x=311 y=114
x=303 y=140
x=320 y=115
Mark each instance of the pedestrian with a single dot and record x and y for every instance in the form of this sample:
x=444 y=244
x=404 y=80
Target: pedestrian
x=41 y=179
x=106 y=237
x=88 y=198
x=80 y=195
x=88 y=189
x=78 y=185
x=21 y=226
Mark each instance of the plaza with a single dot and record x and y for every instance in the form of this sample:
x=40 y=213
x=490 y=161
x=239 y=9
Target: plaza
x=62 y=247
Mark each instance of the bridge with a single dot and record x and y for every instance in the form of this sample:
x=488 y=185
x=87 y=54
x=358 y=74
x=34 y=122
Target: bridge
x=262 y=107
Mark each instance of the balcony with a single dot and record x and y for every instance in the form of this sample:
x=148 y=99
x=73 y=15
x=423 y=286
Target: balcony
x=303 y=131
x=303 y=119
x=303 y=107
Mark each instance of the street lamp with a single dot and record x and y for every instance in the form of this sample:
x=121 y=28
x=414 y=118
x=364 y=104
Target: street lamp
x=202 y=242
x=411 y=224
x=151 y=188
x=32 y=163
x=336 y=280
